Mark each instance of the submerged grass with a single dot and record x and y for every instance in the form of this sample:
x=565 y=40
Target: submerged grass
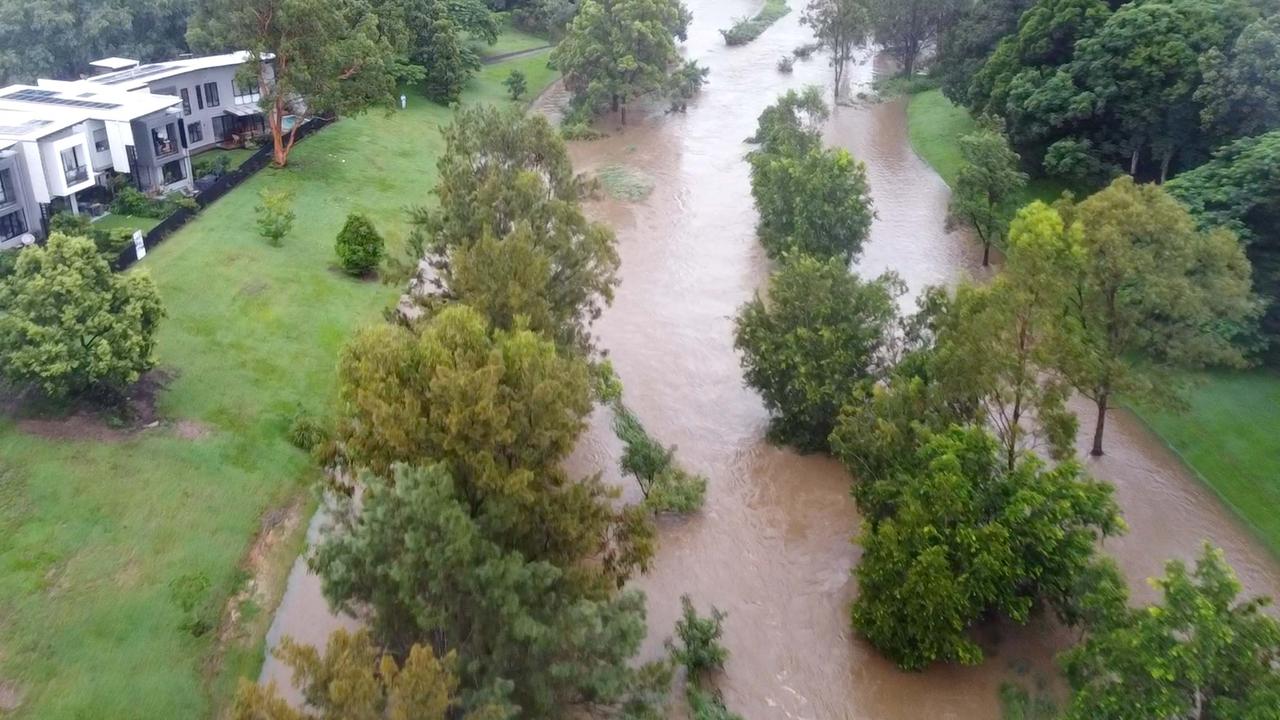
x=625 y=183
x=1228 y=433
x=93 y=531
x=747 y=29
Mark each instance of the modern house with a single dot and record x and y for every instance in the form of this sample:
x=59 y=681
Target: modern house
x=61 y=139
x=216 y=107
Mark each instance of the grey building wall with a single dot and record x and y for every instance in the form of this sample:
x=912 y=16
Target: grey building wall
x=22 y=199
x=198 y=110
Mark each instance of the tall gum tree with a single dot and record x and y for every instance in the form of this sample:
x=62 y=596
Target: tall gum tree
x=308 y=57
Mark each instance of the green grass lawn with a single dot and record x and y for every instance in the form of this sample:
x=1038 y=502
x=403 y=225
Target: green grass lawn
x=236 y=156
x=935 y=125
x=127 y=222
x=92 y=532
x=1230 y=436
x=511 y=40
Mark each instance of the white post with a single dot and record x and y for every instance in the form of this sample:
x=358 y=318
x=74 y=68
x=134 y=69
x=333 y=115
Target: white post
x=75 y=206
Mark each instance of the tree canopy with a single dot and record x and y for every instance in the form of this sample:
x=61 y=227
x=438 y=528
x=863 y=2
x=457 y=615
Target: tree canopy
x=822 y=333
x=72 y=326
x=840 y=26
x=526 y=631
x=969 y=538
x=327 y=56
x=617 y=50
x=816 y=202
x=987 y=186
x=509 y=229
x=1203 y=652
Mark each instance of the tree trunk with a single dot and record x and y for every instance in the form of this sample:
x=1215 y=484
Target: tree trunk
x=1101 y=424
x=1133 y=164
x=624 y=114
x=986 y=254
x=615 y=102
x=1164 y=166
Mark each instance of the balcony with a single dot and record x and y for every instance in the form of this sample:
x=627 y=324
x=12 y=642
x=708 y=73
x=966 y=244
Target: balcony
x=164 y=148
x=76 y=174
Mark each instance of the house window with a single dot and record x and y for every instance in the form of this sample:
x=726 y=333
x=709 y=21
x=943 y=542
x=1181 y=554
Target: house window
x=199 y=98
x=12 y=225
x=6 y=187
x=211 y=94
x=195 y=133
x=247 y=92
x=100 y=140
x=164 y=139
x=172 y=172
x=73 y=166
x=186 y=101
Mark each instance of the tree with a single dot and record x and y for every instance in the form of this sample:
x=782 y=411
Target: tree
x=1241 y=93
x=970 y=539
x=516 y=84
x=1202 y=653
x=816 y=202
x=442 y=52
x=1239 y=189
x=840 y=26
x=359 y=246
x=503 y=409
x=1146 y=293
x=507 y=186
x=822 y=334
x=987 y=186
x=353 y=681
x=71 y=325
x=996 y=344
x=275 y=215
x=793 y=124
x=526 y=629
x=306 y=56
x=965 y=45
x=58 y=39
x=616 y=50
x=905 y=28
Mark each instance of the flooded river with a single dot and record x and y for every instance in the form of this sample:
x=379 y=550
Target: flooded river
x=772 y=547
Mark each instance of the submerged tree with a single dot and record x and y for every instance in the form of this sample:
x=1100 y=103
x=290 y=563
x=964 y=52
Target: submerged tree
x=616 y=50
x=1202 y=653
x=815 y=202
x=823 y=333
x=840 y=26
x=969 y=538
x=986 y=187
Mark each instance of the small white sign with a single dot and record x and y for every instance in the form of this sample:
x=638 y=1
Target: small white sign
x=139 y=247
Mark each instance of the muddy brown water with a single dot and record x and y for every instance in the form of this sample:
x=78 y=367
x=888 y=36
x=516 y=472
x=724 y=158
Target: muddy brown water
x=773 y=545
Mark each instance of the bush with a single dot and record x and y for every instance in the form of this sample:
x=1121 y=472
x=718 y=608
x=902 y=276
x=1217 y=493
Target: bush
x=699 y=649
x=130 y=200
x=666 y=487
x=306 y=432
x=275 y=215
x=65 y=223
x=359 y=246
x=215 y=164
x=188 y=592
x=676 y=491
x=804 y=52
x=786 y=64
x=705 y=705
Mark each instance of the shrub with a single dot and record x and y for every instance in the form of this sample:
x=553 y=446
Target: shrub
x=516 y=84
x=786 y=64
x=188 y=593
x=666 y=487
x=65 y=223
x=129 y=200
x=306 y=432
x=676 y=491
x=699 y=649
x=359 y=246
x=215 y=164
x=804 y=52
x=704 y=705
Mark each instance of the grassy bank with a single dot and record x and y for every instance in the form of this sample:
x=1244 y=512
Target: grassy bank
x=95 y=523
x=1228 y=435
x=936 y=126
x=748 y=29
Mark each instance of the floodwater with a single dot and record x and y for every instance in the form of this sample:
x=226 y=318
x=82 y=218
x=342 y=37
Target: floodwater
x=773 y=545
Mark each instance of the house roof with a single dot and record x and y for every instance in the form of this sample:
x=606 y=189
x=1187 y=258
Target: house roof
x=113 y=63
x=134 y=78
x=32 y=112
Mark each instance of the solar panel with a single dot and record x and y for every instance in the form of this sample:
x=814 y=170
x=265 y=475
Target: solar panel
x=22 y=129
x=49 y=97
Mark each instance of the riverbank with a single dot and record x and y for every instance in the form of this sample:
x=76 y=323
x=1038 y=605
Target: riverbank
x=97 y=521
x=1227 y=435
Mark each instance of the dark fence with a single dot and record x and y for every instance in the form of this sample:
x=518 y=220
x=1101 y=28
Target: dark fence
x=223 y=185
